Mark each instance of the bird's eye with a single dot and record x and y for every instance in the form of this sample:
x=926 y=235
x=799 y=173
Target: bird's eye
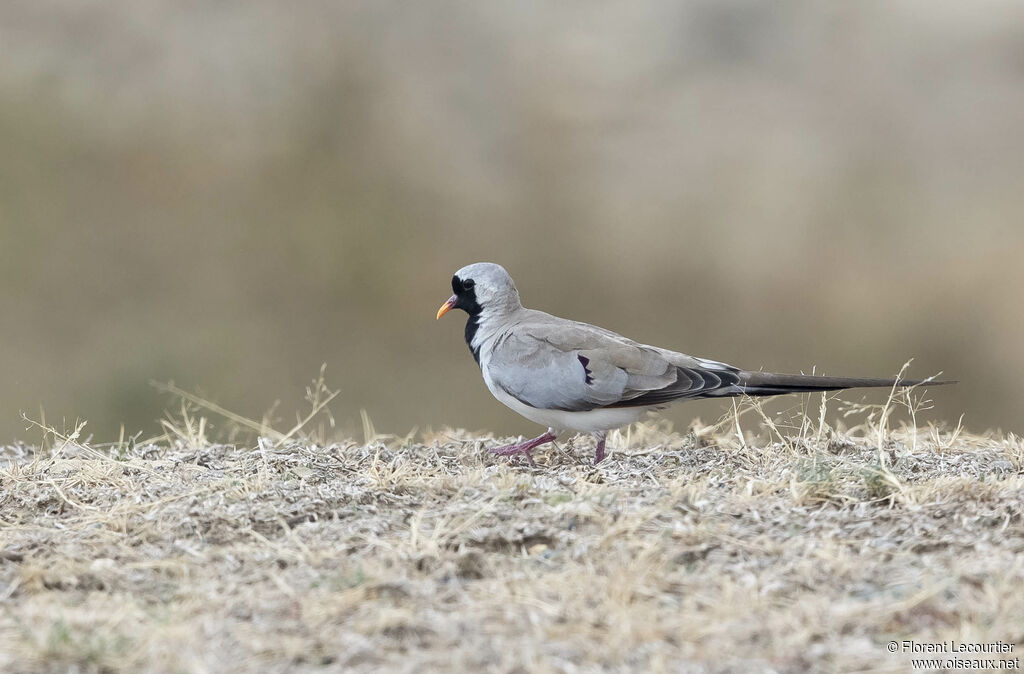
x=468 y=284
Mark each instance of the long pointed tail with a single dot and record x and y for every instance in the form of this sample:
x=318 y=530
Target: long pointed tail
x=771 y=383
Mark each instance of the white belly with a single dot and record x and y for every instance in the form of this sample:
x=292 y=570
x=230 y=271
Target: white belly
x=582 y=422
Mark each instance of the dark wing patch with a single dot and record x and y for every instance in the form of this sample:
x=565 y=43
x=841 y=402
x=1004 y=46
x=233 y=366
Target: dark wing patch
x=690 y=383
x=588 y=376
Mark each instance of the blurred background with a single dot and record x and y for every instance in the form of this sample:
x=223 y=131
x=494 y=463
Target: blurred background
x=227 y=195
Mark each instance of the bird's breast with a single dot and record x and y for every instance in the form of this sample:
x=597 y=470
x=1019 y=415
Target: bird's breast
x=586 y=421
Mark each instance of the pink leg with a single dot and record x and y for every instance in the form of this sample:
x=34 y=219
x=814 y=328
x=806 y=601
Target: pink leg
x=599 y=455
x=525 y=447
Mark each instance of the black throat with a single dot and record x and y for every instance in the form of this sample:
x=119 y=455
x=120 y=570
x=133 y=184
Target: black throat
x=471 y=327
x=465 y=294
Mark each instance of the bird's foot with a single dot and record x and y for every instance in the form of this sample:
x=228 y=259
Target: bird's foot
x=512 y=450
x=599 y=454
x=524 y=448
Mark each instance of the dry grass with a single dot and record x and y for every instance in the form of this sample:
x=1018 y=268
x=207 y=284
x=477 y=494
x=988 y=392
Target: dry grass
x=755 y=544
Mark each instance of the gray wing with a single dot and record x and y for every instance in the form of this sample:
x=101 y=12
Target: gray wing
x=551 y=363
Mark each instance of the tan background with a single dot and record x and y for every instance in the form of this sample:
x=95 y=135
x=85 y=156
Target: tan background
x=227 y=195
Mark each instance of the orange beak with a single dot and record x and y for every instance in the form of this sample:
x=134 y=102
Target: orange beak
x=447 y=306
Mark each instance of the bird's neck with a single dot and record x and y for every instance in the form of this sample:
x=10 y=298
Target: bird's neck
x=484 y=324
x=472 y=327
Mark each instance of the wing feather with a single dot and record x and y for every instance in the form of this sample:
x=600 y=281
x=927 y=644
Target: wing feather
x=540 y=361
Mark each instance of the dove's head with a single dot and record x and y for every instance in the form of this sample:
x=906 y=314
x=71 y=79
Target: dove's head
x=483 y=286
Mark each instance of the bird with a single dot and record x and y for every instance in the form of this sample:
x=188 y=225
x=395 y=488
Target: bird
x=572 y=376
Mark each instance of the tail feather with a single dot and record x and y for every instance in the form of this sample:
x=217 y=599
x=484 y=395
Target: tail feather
x=771 y=383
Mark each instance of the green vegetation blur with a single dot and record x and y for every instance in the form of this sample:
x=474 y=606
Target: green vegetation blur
x=228 y=195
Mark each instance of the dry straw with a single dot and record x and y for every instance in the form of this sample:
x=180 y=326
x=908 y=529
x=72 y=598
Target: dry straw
x=764 y=541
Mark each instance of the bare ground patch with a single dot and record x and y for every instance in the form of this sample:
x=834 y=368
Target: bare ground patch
x=714 y=550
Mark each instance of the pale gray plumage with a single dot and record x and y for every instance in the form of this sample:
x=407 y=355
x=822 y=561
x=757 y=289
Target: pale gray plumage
x=575 y=376
x=538 y=360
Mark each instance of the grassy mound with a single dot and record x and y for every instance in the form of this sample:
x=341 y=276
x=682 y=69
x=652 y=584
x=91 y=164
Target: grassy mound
x=786 y=547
